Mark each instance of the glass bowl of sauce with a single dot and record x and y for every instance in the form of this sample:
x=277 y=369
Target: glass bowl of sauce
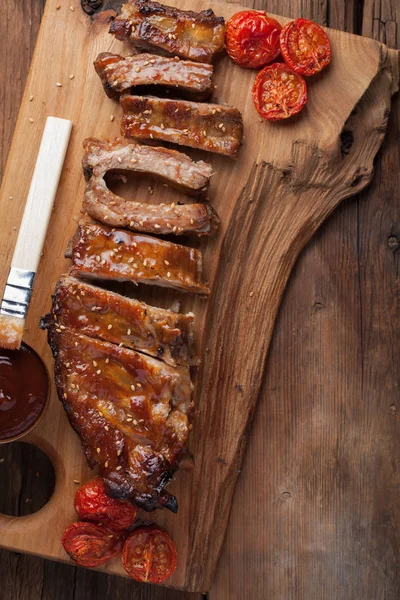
x=24 y=392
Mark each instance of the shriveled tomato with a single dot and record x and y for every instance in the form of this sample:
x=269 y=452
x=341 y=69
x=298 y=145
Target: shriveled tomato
x=93 y=504
x=149 y=554
x=92 y=545
x=305 y=47
x=252 y=38
x=278 y=92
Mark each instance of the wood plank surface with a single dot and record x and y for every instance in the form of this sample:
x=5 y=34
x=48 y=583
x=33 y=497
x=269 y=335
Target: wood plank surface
x=320 y=358
x=288 y=179
x=316 y=509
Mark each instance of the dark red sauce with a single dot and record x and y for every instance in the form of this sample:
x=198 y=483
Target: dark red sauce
x=24 y=388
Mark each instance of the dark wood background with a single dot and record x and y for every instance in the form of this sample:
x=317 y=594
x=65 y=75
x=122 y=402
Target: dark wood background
x=316 y=511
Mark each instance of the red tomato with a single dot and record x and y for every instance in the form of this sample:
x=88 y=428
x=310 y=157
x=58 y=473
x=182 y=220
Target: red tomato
x=149 y=555
x=91 y=545
x=305 y=47
x=93 y=504
x=278 y=92
x=252 y=38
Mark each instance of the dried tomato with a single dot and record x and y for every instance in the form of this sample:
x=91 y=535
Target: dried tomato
x=252 y=38
x=149 y=555
x=93 y=504
x=305 y=47
x=278 y=92
x=91 y=545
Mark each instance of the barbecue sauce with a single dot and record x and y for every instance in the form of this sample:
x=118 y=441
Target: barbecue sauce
x=23 y=391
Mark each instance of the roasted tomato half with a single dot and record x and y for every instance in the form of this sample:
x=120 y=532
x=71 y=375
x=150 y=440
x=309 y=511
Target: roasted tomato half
x=93 y=504
x=91 y=545
x=279 y=92
x=305 y=47
x=252 y=38
x=149 y=555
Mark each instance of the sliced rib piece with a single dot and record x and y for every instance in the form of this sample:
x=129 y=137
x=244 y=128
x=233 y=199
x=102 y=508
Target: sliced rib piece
x=153 y=26
x=102 y=204
x=162 y=219
x=114 y=318
x=171 y=166
x=102 y=253
x=209 y=127
x=119 y=74
x=130 y=411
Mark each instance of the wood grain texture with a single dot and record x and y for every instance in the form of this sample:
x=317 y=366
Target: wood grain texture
x=316 y=512
x=254 y=594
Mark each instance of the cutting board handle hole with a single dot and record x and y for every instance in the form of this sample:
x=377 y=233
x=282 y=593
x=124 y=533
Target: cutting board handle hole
x=27 y=479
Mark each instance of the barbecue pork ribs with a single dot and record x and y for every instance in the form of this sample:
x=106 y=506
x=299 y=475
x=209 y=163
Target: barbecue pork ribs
x=131 y=412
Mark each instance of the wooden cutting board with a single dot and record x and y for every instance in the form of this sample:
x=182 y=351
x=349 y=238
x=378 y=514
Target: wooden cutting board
x=287 y=179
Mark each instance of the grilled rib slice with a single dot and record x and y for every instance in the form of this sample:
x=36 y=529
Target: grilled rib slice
x=153 y=26
x=206 y=126
x=175 y=168
x=162 y=219
x=130 y=411
x=105 y=206
x=119 y=74
x=102 y=253
x=108 y=316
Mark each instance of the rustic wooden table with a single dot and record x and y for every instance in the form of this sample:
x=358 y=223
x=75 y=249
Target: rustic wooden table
x=316 y=510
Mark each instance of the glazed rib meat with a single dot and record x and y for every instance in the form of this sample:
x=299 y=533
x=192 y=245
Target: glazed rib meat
x=172 y=167
x=153 y=26
x=102 y=253
x=119 y=74
x=105 y=206
x=208 y=127
x=108 y=316
x=130 y=411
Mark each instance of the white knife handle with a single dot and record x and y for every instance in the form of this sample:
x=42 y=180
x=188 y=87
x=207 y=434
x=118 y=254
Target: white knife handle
x=42 y=193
